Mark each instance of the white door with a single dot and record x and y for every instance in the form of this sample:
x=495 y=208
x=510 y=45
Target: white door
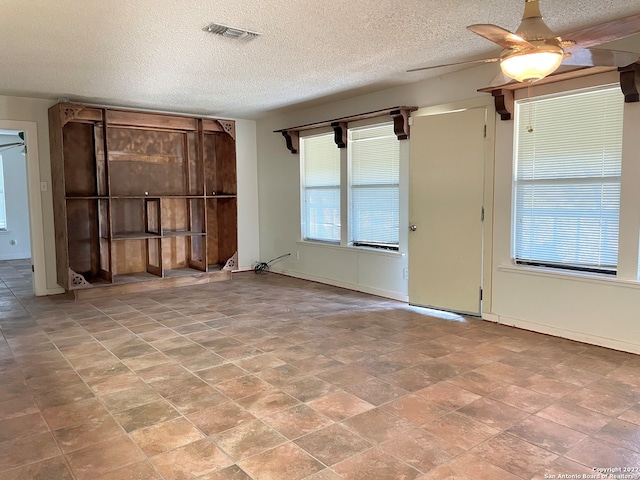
x=446 y=186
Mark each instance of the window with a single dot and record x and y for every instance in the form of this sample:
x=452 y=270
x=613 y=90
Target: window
x=567 y=180
x=361 y=182
x=3 y=208
x=374 y=159
x=321 y=188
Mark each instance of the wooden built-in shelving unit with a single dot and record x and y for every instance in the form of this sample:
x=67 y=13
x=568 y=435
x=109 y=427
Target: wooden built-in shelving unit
x=141 y=200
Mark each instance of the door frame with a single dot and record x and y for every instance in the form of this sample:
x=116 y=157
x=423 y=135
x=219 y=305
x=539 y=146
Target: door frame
x=36 y=227
x=489 y=172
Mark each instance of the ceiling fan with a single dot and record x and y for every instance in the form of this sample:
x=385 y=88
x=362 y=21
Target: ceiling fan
x=534 y=51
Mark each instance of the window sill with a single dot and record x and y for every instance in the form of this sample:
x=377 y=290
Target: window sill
x=569 y=275
x=345 y=248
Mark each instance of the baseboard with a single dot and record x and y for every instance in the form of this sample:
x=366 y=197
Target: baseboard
x=561 y=332
x=54 y=291
x=348 y=285
x=14 y=256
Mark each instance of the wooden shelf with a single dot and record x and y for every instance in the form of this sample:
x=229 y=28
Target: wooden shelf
x=180 y=233
x=400 y=116
x=133 y=277
x=78 y=197
x=134 y=197
x=503 y=95
x=135 y=236
x=181 y=272
x=130 y=203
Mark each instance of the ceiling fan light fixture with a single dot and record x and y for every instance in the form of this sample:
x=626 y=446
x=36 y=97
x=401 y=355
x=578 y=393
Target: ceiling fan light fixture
x=530 y=66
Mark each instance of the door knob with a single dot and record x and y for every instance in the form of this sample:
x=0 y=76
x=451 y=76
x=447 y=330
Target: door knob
x=413 y=228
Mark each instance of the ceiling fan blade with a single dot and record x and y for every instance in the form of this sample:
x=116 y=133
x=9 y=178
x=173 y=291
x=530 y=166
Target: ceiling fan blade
x=468 y=62
x=604 y=32
x=499 y=35
x=591 y=57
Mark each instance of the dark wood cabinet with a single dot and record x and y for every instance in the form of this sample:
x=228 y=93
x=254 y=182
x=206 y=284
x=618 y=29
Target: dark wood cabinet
x=141 y=200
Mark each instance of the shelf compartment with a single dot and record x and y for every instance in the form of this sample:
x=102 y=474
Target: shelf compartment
x=154 y=257
x=197 y=252
x=83 y=167
x=195 y=170
x=129 y=256
x=104 y=229
x=135 y=218
x=219 y=151
x=88 y=253
x=153 y=216
x=175 y=253
x=222 y=233
x=181 y=252
x=182 y=216
x=147 y=161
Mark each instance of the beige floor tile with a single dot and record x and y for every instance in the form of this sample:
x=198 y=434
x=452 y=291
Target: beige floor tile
x=287 y=377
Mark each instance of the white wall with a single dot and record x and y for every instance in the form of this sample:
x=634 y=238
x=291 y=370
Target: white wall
x=593 y=310
x=247 y=166
x=16 y=202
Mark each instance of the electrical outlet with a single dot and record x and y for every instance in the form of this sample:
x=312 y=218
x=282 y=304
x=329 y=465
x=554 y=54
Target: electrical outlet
x=297 y=255
x=405 y=273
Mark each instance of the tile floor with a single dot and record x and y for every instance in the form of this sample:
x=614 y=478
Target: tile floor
x=273 y=378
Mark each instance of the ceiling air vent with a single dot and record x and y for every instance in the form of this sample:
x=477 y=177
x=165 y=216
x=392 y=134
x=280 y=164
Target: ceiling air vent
x=231 y=32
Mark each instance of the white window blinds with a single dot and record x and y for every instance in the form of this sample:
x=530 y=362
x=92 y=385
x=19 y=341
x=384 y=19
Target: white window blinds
x=374 y=158
x=3 y=208
x=321 y=186
x=567 y=180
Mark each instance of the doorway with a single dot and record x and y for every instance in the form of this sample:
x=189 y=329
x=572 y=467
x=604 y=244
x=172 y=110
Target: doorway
x=15 y=236
x=446 y=196
x=35 y=224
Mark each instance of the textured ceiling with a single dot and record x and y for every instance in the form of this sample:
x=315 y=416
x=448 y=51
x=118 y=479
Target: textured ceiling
x=154 y=54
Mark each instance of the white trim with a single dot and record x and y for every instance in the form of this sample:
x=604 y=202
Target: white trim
x=490 y=317
x=350 y=286
x=585 y=277
x=35 y=202
x=367 y=250
x=487 y=103
x=54 y=291
x=563 y=333
x=9 y=256
x=475 y=102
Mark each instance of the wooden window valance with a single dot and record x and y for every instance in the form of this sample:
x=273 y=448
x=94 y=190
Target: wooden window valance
x=400 y=116
x=503 y=96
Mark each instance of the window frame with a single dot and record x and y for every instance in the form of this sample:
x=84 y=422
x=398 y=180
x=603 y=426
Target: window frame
x=304 y=220
x=3 y=203
x=575 y=268
x=345 y=194
x=393 y=247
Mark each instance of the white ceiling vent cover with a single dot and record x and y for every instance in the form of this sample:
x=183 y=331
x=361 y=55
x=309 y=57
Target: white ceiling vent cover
x=231 y=32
